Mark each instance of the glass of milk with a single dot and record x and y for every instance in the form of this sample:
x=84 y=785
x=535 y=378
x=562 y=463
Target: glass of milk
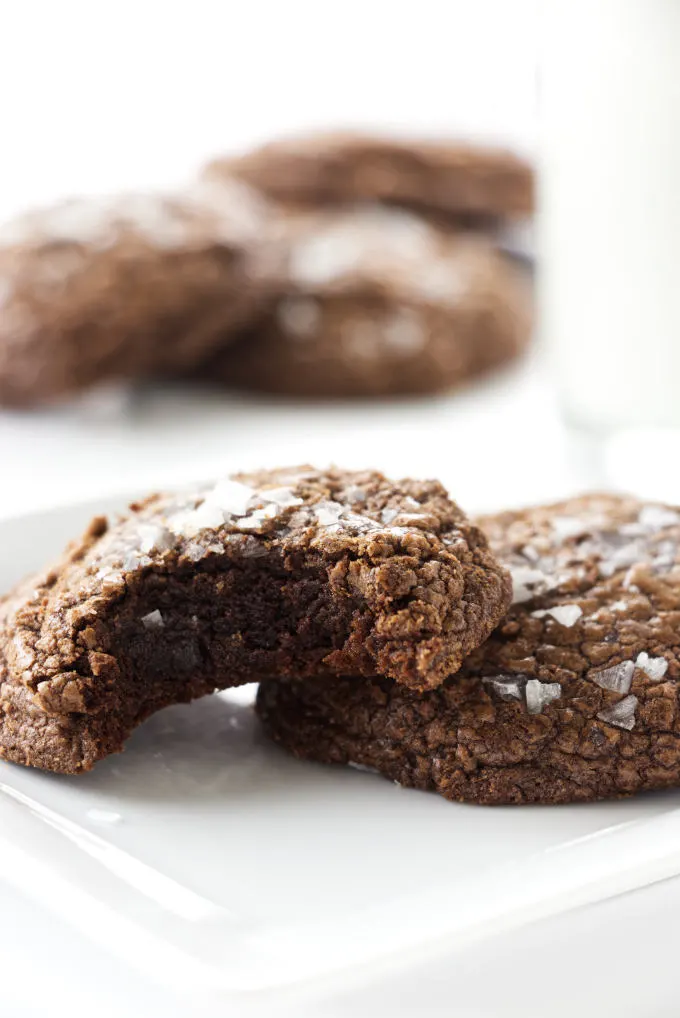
x=609 y=228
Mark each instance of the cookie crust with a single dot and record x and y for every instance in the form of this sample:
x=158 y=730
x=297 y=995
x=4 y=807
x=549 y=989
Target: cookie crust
x=278 y=573
x=573 y=698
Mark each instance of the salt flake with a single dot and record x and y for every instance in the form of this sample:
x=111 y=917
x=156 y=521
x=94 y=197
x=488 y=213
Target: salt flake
x=621 y=558
x=410 y=517
x=656 y=517
x=505 y=686
x=282 y=497
x=540 y=694
x=654 y=667
x=328 y=513
x=566 y=614
x=257 y=518
x=666 y=555
x=618 y=678
x=154 y=538
x=632 y=530
x=206 y=517
x=154 y=620
x=567 y=526
x=135 y=561
x=359 y=522
x=321 y=258
x=523 y=579
x=619 y=606
x=230 y=496
x=621 y=714
x=252 y=548
x=194 y=552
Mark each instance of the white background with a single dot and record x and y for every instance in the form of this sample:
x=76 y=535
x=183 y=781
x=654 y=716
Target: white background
x=104 y=95
x=101 y=96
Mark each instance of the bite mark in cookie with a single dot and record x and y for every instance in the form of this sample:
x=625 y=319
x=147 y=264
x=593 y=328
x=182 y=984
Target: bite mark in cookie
x=272 y=574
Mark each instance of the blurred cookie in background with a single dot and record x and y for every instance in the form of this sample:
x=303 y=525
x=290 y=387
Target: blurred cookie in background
x=440 y=179
x=127 y=287
x=380 y=302
x=280 y=281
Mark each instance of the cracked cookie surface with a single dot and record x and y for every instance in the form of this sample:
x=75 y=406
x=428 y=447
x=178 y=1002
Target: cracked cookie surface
x=277 y=573
x=574 y=696
x=127 y=287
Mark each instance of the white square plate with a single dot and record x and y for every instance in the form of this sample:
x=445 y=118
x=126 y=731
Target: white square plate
x=213 y=863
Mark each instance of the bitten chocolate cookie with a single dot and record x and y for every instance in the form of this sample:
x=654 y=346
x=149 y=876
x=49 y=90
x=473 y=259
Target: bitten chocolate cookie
x=280 y=573
x=378 y=302
x=575 y=695
x=127 y=287
x=442 y=179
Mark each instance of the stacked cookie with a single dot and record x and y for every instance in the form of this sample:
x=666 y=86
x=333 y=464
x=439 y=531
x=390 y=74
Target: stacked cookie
x=574 y=697
x=395 y=283
x=377 y=302
x=278 y=575
x=331 y=266
x=527 y=657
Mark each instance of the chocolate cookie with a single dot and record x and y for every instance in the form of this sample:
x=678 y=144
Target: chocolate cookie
x=575 y=695
x=442 y=179
x=378 y=302
x=126 y=288
x=280 y=573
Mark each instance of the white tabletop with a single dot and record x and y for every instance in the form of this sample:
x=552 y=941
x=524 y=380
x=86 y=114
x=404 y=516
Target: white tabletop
x=476 y=440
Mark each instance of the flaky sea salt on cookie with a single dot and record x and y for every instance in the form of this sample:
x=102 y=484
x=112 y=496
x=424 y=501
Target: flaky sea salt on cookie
x=573 y=697
x=278 y=573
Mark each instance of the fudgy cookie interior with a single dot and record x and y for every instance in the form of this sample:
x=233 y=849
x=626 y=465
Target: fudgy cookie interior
x=247 y=580
x=180 y=634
